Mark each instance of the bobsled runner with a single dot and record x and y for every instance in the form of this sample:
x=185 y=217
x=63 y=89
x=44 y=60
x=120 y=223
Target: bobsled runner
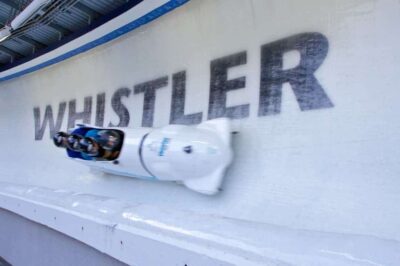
x=196 y=156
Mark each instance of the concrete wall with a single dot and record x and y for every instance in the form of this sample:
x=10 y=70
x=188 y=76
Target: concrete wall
x=44 y=246
x=322 y=155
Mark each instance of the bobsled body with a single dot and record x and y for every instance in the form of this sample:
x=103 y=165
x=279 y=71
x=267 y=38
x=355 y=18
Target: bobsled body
x=196 y=156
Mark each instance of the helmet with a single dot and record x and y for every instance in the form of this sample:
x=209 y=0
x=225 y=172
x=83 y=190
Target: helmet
x=90 y=147
x=73 y=142
x=60 y=139
x=108 y=139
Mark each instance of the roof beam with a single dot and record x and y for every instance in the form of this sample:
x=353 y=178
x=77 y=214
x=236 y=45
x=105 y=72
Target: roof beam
x=62 y=30
x=12 y=4
x=87 y=10
x=10 y=52
x=34 y=43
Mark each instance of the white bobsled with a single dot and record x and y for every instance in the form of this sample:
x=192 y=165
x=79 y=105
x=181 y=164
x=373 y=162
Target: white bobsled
x=196 y=156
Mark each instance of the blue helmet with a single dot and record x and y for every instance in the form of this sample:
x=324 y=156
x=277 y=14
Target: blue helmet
x=73 y=142
x=90 y=147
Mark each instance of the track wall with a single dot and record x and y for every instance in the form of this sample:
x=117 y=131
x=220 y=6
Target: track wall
x=312 y=87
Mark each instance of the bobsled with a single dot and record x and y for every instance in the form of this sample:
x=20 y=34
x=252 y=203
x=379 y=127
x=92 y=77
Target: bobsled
x=196 y=156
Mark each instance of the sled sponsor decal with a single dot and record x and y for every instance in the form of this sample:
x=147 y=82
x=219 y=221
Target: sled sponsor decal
x=164 y=146
x=310 y=95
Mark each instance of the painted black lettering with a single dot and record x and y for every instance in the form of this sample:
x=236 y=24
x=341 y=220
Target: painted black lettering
x=100 y=108
x=119 y=108
x=149 y=89
x=313 y=48
x=85 y=115
x=177 y=115
x=48 y=120
x=220 y=85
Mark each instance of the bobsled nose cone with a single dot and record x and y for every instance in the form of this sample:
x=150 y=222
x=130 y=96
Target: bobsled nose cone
x=60 y=139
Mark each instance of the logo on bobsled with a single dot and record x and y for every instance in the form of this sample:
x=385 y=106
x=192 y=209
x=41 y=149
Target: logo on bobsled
x=164 y=146
x=197 y=155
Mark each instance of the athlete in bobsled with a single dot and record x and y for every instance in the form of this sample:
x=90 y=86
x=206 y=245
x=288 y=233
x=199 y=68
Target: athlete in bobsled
x=91 y=143
x=196 y=156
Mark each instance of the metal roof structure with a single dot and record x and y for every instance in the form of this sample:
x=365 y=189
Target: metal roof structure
x=59 y=22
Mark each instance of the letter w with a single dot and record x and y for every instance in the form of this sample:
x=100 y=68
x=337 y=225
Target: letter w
x=48 y=119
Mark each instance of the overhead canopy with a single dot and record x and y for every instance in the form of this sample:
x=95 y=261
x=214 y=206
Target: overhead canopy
x=55 y=24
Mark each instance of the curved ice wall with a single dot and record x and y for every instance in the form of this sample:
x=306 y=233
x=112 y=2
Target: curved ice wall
x=312 y=87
